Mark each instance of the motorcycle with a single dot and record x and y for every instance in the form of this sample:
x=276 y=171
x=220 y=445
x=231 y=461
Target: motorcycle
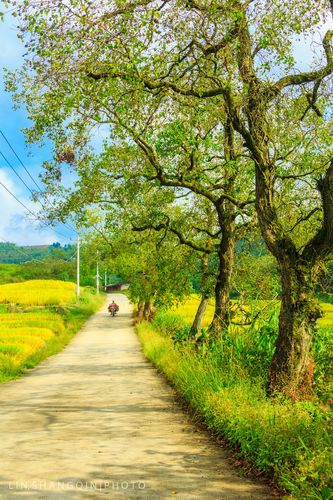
x=113 y=308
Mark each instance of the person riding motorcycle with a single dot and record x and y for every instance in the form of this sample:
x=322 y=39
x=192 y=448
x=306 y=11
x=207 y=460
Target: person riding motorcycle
x=113 y=308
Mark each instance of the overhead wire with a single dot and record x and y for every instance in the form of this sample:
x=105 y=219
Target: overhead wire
x=70 y=227
x=16 y=173
x=21 y=162
x=28 y=209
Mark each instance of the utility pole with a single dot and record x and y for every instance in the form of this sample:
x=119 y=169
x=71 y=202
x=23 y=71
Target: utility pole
x=105 y=278
x=78 y=268
x=97 y=277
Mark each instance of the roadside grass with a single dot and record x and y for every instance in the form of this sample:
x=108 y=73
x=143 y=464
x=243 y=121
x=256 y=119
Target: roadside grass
x=255 y=345
x=28 y=337
x=290 y=440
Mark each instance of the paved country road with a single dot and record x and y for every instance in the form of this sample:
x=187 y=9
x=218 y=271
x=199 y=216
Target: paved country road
x=98 y=421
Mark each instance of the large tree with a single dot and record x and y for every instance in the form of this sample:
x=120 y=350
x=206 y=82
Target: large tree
x=123 y=185
x=84 y=60
x=198 y=154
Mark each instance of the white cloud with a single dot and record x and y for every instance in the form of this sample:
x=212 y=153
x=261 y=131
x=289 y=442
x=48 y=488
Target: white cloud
x=16 y=224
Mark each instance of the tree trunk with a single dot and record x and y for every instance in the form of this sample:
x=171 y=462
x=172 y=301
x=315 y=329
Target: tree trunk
x=197 y=322
x=290 y=370
x=147 y=311
x=140 y=312
x=221 y=319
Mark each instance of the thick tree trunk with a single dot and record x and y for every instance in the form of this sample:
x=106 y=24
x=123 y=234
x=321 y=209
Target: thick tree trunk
x=221 y=319
x=290 y=369
x=197 y=322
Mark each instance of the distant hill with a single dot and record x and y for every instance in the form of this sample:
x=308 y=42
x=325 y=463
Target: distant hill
x=14 y=254
x=31 y=262
x=36 y=246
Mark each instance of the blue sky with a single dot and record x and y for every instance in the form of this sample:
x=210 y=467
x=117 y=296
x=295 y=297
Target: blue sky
x=15 y=225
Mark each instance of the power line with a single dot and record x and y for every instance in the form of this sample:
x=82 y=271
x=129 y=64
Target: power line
x=13 y=195
x=16 y=173
x=71 y=228
x=21 y=162
x=28 y=209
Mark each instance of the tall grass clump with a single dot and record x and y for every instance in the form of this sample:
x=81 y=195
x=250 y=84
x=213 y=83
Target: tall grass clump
x=322 y=352
x=173 y=325
x=224 y=382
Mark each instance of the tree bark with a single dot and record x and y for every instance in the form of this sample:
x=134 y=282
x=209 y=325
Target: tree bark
x=289 y=368
x=290 y=371
x=221 y=319
x=140 y=312
x=197 y=322
x=147 y=311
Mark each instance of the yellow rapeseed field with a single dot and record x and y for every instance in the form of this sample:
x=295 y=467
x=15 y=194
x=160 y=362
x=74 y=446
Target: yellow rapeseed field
x=19 y=343
x=38 y=319
x=188 y=309
x=23 y=333
x=37 y=293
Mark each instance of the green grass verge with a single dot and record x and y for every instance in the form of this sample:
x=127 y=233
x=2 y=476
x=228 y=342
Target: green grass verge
x=290 y=440
x=74 y=316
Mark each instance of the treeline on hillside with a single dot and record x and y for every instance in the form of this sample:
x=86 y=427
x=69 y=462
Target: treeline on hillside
x=212 y=130
x=52 y=262
x=10 y=253
x=49 y=268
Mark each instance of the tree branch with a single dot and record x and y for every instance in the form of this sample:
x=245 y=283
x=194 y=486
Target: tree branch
x=321 y=244
x=212 y=235
x=305 y=218
x=306 y=77
x=181 y=238
x=155 y=85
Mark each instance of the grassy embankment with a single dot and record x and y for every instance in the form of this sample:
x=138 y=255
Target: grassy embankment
x=291 y=440
x=37 y=319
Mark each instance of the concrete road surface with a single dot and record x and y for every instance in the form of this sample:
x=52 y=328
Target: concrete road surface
x=97 y=421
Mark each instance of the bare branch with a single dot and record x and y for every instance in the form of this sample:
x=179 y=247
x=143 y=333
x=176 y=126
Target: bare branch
x=305 y=218
x=179 y=235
